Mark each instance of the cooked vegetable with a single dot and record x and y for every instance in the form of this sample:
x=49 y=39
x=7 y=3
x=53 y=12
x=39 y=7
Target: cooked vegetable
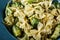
x=16 y=31
x=34 y=22
x=56 y=32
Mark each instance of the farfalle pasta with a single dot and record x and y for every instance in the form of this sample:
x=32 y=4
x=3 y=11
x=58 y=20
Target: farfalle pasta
x=33 y=19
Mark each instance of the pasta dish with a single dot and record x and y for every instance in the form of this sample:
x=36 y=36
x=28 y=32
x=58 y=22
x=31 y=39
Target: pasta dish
x=33 y=19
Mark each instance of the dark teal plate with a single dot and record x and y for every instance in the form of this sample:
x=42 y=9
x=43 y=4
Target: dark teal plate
x=4 y=33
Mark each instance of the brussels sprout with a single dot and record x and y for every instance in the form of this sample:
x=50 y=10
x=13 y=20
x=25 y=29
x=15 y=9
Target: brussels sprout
x=16 y=31
x=34 y=22
x=56 y=32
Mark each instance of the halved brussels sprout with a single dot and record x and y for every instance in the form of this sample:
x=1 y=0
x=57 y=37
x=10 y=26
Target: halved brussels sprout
x=16 y=31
